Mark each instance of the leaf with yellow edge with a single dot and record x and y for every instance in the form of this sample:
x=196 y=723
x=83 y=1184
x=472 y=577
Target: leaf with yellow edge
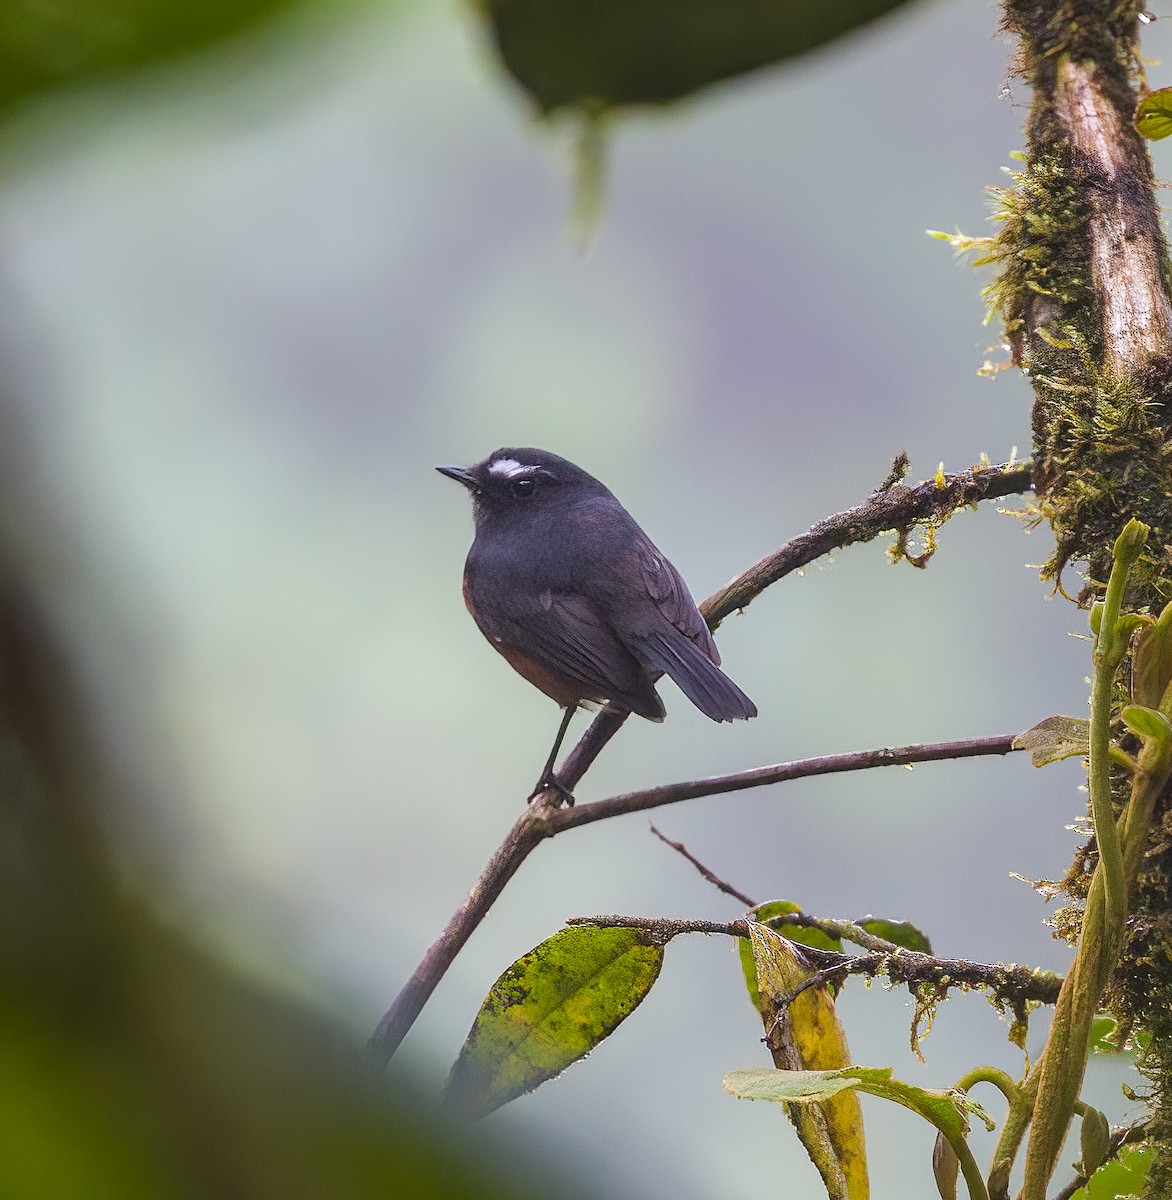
x=773 y=914
x=549 y=1009
x=805 y=1035
x=1153 y=114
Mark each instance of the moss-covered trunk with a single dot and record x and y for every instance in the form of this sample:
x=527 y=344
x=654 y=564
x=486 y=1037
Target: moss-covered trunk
x=1084 y=289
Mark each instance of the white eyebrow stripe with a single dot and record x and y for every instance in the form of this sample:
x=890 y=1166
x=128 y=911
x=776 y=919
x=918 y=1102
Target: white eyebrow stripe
x=507 y=466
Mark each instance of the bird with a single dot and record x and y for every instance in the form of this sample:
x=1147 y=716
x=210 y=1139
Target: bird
x=568 y=588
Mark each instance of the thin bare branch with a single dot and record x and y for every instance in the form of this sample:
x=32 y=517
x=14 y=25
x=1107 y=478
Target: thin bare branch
x=712 y=878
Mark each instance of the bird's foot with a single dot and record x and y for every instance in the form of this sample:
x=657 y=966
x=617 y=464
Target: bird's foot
x=550 y=783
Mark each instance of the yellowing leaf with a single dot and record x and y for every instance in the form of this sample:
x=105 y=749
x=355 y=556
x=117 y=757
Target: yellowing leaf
x=773 y=914
x=1153 y=114
x=1055 y=738
x=805 y=1036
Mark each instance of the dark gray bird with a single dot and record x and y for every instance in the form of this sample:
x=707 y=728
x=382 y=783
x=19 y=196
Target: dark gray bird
x=564 y=583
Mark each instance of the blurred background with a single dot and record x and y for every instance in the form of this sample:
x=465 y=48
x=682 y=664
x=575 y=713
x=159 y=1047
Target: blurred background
x=252 y=297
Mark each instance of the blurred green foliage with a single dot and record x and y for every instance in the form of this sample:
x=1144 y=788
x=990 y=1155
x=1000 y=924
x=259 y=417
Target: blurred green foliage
x=132 y=1063
x=45 y=45
x=599 y=54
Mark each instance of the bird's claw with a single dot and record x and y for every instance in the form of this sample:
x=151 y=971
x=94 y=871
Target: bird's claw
x=551 y=783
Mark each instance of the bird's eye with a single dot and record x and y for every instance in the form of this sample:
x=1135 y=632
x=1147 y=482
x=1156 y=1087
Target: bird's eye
x=524 y=488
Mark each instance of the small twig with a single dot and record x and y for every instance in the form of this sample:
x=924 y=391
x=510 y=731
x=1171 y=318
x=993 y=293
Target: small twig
x=556 y=820
x=713 y=879
x=893 y=507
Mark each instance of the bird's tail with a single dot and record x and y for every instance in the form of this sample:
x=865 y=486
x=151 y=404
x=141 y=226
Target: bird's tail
x=704 y=683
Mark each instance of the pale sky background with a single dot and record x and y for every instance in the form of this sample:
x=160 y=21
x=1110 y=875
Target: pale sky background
x=254 y=299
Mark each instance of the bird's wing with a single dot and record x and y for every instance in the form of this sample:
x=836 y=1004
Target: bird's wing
x=567 y=634
x=673 y=599
x=681 y=645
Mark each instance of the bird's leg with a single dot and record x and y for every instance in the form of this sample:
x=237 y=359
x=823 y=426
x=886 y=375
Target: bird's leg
x=549 y=781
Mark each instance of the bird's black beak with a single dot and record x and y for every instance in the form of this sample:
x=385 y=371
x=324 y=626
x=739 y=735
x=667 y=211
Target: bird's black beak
x=460 y=475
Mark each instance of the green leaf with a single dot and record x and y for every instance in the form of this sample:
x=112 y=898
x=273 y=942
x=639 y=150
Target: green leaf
x=1123 y=1177
x=1094 y=1140
x=902 y=933
x=806 y=1033
x=1054 y=739
x=791 y=1087
x=947 y=1111
x=1104 y=1037
x=1148 y=723
x=549 y=1009
x=1153 y=114
x=1104 y=1029
x=1151 y=661
x=1096 y=616
x=773 y=914
x=600 y=54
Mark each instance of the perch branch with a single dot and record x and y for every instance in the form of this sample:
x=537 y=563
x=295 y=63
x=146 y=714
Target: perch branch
x=893 y=506
x=664 y=928
x=555 y=820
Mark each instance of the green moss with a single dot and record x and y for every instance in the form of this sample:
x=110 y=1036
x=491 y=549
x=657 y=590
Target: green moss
x=1102 y=449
